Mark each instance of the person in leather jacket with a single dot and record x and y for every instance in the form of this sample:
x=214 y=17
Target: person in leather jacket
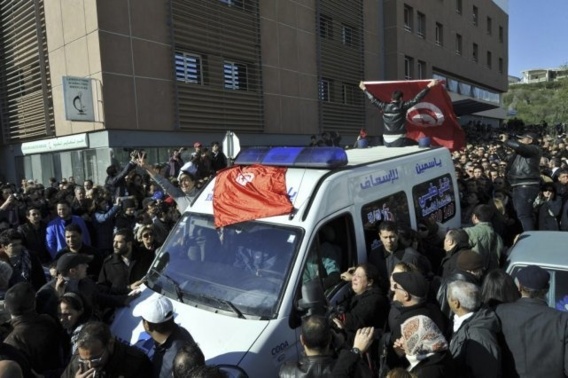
x=319 y=360
x=523 y=174
x=394 y=114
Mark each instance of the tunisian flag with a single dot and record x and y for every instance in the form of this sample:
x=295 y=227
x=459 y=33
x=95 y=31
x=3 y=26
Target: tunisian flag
x=251 y=192
x=433 y=117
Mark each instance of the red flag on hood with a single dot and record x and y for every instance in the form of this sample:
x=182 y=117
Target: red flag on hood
x=433 y=117
x=245 y=193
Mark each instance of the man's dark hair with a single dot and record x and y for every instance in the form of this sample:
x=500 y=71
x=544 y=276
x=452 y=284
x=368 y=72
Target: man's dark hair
x=165 y=327
x=74 y=227
x=32 y=208
x=9 y=235
x=483 y=213
x=388 y=226
x=460 y=237
x=187 y=358
x=126 y=233
x=92 y=332
x=533 y=294
x=562 y=171
x=205 y=371
x=316 y=333
x=111 y=170
x=62 y=202
x=396 y=95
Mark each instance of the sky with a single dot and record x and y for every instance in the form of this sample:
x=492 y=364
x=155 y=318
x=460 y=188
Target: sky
x=538 y=34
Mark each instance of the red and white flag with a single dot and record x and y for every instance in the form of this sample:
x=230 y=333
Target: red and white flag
x=432 y=117
x=251 y=192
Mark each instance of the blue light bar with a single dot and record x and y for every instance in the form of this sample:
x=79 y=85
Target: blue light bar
x=301 y=157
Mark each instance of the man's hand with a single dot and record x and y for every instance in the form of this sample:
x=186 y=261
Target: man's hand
x=503 y=137
x=398 y=347
x=338 y=323
x=86 y=374
x=60 y=285
x=362 y=86
x=364 y=338
x=433 y=82
x=348 y=275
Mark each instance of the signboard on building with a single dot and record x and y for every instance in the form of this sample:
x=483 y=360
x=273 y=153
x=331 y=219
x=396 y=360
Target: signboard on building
x=78 y=99
x=65 y=143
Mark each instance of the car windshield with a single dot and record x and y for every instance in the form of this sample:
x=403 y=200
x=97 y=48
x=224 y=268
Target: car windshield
x=240 y=269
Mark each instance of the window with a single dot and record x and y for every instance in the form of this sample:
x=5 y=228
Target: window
x=435 y=200
x=408 y=67
x=351 y=94
x=489 y=58
x=439 y=34
x=236 y=76
x=459 y=42
x=421 y=25
x=459 y=6
x=347 y=35
x=326 y=27
x=408 y=18
x=325 y=90
x=500 y=65
x=393 y=207
x=475 y=53
x=241 y=4
x=489 y=25
x=475 y=15
x=501 y=34
x=188 y=68
x=421 y=69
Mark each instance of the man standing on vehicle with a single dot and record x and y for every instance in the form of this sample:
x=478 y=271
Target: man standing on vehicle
x=523 y=174
x=157 y=315
x=394 y=115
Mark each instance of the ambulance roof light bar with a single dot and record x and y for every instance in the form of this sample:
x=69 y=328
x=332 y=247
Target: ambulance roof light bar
x=300 y=157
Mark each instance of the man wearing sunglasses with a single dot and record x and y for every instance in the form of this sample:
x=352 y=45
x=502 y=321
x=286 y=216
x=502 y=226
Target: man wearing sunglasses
x=101 y=355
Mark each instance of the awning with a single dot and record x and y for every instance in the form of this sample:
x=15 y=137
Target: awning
x=471 y=106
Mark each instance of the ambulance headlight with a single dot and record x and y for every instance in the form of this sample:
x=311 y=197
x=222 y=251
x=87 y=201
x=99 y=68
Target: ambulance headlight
x=233 y=371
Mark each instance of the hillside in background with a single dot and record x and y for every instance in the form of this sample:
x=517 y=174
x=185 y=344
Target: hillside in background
x=535 y=103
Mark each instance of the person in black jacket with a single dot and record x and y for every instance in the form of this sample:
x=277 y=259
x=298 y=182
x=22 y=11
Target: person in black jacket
x=26 y=266
x=523 y=174
x=33 y=235
x=456 y=241
x=367 y=307
x=101 y=355
x=123 y=271
x=394 y=115
x=318 y=360
x=536 y=336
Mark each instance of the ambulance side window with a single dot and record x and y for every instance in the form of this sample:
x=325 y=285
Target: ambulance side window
x=393 y=207
x=331 y=252
x=435 y=200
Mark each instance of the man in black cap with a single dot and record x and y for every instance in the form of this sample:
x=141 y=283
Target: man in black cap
x=523 y=174
x=536 y=336
x=72 y=276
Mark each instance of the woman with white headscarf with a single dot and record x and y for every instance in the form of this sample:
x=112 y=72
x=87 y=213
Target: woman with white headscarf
x=425 y=348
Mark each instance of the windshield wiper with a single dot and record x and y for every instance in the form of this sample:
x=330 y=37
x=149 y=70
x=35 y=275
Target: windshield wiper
x=175 y=284
x=225 y=302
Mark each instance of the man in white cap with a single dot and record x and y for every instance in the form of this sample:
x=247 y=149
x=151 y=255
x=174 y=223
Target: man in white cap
x=157 y=315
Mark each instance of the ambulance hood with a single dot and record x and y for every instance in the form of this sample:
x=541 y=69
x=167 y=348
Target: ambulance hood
x=221 y=337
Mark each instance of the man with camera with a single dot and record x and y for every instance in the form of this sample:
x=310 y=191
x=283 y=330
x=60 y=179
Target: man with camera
x=523 y=174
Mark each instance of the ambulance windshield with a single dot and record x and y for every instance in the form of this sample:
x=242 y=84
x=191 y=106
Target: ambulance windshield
x=239 y=269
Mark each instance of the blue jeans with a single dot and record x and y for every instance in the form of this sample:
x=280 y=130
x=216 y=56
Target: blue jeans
x=523 y=198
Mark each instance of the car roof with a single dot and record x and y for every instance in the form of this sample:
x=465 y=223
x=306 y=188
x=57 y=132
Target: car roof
x=542 y=248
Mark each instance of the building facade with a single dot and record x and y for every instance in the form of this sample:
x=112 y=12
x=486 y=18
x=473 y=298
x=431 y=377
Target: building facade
x=158 y=74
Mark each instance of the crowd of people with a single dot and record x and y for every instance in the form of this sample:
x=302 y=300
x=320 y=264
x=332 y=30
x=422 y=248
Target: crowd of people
x=71 y=254
x=427 y=303
x=437 y=303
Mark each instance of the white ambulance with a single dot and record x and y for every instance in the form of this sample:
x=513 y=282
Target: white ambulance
x=240 y=297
